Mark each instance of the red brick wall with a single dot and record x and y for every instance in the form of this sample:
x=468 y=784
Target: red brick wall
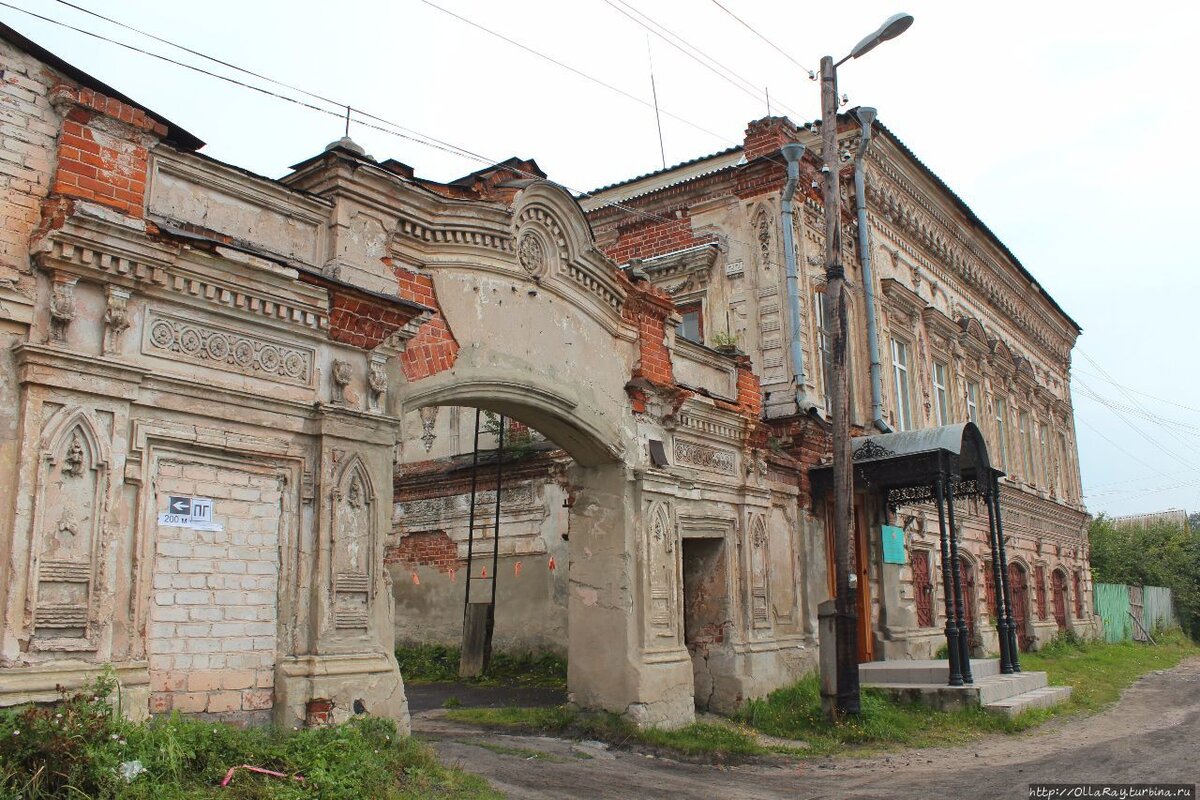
x=428 y=549
x=765 y=136
x=649 y=312
x=434 y=348
x=643 y=238
x=362 y=322
x=98 y=163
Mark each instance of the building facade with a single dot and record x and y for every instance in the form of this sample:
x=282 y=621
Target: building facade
x=218 y=389
x=964 y=333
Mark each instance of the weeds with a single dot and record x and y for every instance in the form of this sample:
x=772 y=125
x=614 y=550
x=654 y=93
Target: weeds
x=74 y=748
x=429 y=663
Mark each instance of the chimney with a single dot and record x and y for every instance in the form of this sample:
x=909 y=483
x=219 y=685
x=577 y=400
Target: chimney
x=765 y=136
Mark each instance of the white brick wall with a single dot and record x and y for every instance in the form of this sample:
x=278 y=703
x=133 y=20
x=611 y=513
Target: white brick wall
x=29 y=126
x=213 y=616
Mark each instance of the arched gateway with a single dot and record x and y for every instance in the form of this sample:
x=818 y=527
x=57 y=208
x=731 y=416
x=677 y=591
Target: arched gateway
x=215 y=396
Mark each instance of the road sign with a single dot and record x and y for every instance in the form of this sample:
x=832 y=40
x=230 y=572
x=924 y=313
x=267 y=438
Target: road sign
x=189 y=512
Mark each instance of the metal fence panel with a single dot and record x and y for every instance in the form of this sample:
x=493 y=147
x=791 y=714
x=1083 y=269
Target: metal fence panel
x=1159 y=608
x=1112 y=604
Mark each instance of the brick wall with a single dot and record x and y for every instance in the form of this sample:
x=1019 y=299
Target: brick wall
x=765 y=136
x=434 y=348
x=642 y=238
x=213 y=614
x=28 y=128
x=102 y=153
x=428 y=549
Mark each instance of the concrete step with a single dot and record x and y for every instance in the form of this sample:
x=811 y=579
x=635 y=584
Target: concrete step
x=986 y=690
x=917 y=671
x=1044 y=697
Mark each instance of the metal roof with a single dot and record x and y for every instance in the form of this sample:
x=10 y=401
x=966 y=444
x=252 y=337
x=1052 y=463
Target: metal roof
x=963 y=440
x=661 y=179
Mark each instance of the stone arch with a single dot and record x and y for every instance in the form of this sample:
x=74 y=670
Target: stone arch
x=555 y=410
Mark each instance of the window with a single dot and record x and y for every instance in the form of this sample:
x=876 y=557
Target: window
x=941 y=412
x=1062 y=474
x=900 y=378
x=691 y=323
x=1026 y=430
x=973 y=402
x=1044 y=448
x=1001 y=434
x=822 y=342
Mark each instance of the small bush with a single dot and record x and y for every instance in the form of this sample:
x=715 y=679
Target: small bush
x=430 y=663
x=74 y=748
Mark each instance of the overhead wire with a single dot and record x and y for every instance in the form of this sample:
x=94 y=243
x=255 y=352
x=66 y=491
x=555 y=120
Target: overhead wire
x=811 y=74
x=395 y=129
x=716 y=67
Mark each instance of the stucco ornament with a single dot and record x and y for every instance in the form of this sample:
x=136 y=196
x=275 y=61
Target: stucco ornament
x=532 y=254
x=341 y=373
x=377 y=383
x=74 y=458
x=116 y=317
x=62 y=308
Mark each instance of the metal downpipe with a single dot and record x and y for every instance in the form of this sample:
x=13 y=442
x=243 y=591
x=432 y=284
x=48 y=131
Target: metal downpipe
x=866 y=117
x=792 y=153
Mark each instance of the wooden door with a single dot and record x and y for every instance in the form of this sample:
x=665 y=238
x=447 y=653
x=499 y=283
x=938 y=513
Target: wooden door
x=862 y=556
x=966 y=577
x=1137 y=602
x=1019 y=591
x=1058 y=594
x=1039 y=590
x=922 y=588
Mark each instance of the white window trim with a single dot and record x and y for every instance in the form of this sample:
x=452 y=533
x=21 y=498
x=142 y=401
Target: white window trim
x=902 y=385
x=941 y=397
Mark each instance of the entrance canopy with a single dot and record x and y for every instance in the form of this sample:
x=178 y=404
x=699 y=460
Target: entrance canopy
x=906 y=465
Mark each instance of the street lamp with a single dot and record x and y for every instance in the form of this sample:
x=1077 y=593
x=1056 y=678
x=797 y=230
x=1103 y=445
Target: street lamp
x=839 y=398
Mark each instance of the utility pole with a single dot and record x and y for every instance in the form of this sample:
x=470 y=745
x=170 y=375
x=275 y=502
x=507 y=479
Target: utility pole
x=839 y=399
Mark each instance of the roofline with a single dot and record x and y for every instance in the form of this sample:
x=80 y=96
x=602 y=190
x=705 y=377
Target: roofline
x=666 y=170
x=176 y=135
x=973 y=217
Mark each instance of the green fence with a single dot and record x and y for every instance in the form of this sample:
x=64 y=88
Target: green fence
x=1113 y=607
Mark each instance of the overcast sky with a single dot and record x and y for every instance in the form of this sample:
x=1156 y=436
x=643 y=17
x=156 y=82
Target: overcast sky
x=1065 y=126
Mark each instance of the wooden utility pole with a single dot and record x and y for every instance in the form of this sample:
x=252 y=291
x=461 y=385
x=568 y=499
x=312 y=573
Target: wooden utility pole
x=839 y=398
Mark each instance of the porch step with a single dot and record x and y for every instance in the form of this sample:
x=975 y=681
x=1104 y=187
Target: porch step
x=1044 y=697
x=915 y=671
x=984 y=692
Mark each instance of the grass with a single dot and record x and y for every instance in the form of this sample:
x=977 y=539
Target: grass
x=432 y=663
x=1097 y=672
x=707 y=741
x=75 y=749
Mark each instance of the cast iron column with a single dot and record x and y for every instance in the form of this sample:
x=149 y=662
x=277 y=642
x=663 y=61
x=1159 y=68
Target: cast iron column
x=1001 y=627
x=953 y=653
x=964 y=645
x=1013 y=649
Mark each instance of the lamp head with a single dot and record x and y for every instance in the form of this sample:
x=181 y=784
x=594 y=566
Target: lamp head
x=892 y=27
x=866 y=115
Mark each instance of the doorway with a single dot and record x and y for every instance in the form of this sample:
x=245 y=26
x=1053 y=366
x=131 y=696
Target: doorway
x=706 y=612
x=1058 y=593
x=1019 y=590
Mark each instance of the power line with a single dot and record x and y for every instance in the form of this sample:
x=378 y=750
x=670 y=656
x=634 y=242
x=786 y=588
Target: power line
x=1101 y=434
x=580 y=73
x=1180 y=427
x=400 y=131
x=719 y=69
x=1137 y=391
x=812 y=75
x=1147 y=437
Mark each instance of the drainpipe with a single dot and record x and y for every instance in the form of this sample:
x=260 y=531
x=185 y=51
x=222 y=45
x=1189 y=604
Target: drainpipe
x=792 y=152
x=866 y=116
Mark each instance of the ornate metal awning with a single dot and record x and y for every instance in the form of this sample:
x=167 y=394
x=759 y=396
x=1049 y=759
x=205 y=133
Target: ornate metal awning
x=907 y=465
x=939 y=465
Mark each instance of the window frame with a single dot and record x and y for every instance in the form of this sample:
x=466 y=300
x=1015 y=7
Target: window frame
x=903 y=417
x=683 y=309
x=941 y=396
x=1000 y=414
x=971 y=399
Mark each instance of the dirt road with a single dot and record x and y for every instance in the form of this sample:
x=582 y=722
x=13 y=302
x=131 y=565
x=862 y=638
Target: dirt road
x=1151 y=735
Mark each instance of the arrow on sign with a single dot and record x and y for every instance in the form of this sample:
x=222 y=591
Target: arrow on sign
x=180 y=505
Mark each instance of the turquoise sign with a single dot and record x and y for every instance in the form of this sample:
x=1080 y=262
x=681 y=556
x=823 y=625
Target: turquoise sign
x=893 y=545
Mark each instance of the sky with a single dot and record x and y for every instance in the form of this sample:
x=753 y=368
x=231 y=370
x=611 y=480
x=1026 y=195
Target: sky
x=1063 y=125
